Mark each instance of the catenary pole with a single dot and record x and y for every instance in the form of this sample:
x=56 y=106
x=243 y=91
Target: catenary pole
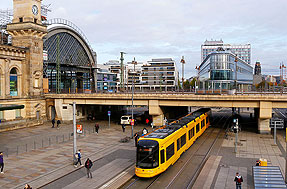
x=74 y=126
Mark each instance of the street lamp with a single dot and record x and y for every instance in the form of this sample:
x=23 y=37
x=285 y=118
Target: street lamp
x=236 y=60
x=134 y=62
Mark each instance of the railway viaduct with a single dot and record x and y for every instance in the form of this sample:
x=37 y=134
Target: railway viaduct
x=156 y=102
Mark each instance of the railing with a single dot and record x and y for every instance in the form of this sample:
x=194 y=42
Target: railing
x=168 y=90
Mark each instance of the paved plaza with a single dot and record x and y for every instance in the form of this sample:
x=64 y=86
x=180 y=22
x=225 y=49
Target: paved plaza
x=43 y=165
x=114 y=160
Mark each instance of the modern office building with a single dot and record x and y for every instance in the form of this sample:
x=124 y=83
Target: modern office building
x=106 y=80
x=160 y=74
x=242 y=51
x=221 y=69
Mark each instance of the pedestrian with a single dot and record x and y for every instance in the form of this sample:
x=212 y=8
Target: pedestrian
x=151 y=124
x=257 y=163
x=124 y=127
x=136 y=139
x=78 y=156
x=238 y=180
x=27 y=186
x=147 y=121
x=145 y=131
x=53 y=123
x=1 y=162
x=88 y=166
x=97 y=128
x=58 y=123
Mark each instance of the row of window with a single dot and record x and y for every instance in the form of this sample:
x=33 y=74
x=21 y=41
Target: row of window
x=181 y=141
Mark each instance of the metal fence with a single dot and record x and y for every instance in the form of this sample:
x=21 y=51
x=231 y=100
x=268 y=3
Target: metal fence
x=40 y=143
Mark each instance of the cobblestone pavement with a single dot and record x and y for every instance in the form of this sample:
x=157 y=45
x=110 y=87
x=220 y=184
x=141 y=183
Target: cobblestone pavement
x=44 y=163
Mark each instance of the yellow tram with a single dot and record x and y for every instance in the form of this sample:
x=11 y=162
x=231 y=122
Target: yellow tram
x=161 y=148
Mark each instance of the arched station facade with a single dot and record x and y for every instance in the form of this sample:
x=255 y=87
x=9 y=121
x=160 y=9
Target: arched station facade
x=70 y=63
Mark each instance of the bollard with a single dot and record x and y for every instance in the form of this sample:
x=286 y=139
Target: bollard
x=7 y=151
x=17 y=150
x=42 y=143
x=49 y=141
x=57 y=139
x=26 y=147
x=34 y=145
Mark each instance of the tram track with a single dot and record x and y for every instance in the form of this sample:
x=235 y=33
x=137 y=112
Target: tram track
x=136 y=182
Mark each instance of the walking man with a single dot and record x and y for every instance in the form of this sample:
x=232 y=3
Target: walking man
x=53 y=122
x=58 y=123
x=238 y=180
x=97 y=128
x=88 y=166
x=124 y=127
x=79 y=156
x=136 y=139
x=1 y=162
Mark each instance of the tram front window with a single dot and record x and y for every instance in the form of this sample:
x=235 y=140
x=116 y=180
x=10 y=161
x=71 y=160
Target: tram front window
x=147 y=154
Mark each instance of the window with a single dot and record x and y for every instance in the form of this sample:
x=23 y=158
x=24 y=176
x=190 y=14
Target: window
x=169 y=151
x=20 y=19
x=162 y=159
x=13 y=82
x=183 y=140
x=197 y=128
x=35 y=20
x=178 y=144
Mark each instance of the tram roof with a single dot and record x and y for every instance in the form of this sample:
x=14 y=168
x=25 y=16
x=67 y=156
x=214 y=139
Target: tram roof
x=169 y=129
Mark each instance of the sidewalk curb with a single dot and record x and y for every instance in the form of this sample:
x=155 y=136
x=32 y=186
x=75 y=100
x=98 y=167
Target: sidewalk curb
x=119 y=180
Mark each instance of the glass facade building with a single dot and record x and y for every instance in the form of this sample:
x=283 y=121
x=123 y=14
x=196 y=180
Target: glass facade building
x=242 y=51
x=220 y=70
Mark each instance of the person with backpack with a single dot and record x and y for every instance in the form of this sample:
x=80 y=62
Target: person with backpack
x=238 y=180
x=88 y=166
x=78 y=156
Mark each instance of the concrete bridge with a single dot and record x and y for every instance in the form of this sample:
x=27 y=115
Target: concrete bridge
x=157 y=102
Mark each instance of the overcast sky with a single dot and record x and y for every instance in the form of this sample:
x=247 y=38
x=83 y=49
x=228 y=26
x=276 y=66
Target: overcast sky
x=148 y=29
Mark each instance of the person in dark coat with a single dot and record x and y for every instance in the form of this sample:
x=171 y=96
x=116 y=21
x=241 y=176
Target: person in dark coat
x=136 y=139
x=97 y=128
x=88 y=166
x=58 y=123
x=124 y=128
x=1 y=162
x=238 y=180
x=53 y=123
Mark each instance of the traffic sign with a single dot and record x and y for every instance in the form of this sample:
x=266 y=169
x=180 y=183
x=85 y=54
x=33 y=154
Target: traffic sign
x=132 y=122
x=109 y=113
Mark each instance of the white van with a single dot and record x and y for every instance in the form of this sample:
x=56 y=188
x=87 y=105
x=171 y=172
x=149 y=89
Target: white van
x=126 y=120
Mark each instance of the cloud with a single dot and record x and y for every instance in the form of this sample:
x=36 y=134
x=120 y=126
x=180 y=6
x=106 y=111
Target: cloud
x=166 y=28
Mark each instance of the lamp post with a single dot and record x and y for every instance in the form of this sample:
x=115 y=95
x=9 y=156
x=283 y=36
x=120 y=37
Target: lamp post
x=236 y=60
x=74 y=130
x=134 y=62
x=183 y=62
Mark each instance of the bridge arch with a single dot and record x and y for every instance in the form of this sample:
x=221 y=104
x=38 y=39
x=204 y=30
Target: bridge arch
x=65 y=43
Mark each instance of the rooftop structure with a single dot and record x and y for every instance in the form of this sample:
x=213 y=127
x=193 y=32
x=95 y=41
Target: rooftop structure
x=242 y=51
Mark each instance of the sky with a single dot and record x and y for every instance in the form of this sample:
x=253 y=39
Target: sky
x=147 y=29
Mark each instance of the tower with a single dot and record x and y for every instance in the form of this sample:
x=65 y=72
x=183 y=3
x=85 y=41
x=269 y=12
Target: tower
x=257 y=69
x=27 y=31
